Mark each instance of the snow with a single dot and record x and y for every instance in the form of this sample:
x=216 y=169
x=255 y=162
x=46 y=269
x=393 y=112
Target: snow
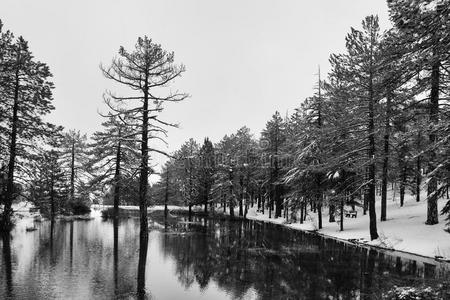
x=404 y=230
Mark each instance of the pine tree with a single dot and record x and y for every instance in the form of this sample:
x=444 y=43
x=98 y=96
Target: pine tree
x=74 y=159
x=187 y=160
x=50 y=185
x=206 y=172
x=425 y=25
x=361 y=67
x=26 y=96
x=112 y=156
x=145 y=70
x=274 y=138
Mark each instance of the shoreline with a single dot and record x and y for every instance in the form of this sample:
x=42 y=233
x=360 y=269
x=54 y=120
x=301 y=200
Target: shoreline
x=362 y=245
x=403 y=232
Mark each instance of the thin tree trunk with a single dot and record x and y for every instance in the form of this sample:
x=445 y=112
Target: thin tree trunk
x=301 y=212
x=143 y=185
x=231 y=196
x=342 y=215
x=117 y=180
x=270 y=208
x=52 y=198
x=402 y=183
x=418 y=178
x=319 y=214
x=241 y=195
x=72 y=170
x=371 y=184
x=166 y=197
x=206 y=203
x=384 y=179
x=432 y=208
x=9 y=197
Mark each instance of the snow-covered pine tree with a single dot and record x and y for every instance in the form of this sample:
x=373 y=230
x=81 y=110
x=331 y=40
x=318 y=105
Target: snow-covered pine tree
x=274 y=137
x=425 y=25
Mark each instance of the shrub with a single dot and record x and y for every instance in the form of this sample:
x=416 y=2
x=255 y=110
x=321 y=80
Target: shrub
x=79 y=207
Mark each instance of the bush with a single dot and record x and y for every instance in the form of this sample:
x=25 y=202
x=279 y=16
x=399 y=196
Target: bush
x=79 y=207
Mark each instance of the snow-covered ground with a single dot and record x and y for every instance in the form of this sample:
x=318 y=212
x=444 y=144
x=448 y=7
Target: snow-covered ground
x=404 y=230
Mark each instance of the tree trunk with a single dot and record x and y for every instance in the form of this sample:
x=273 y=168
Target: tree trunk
x=418 y=178
x=402 y=183
x=332 y=210
x=319 y=214
x=241 y=195
x=384 y=180
x=371 y=184
x=432 y=208
x=305 y=207
x=72 y=171
x=263 y=204
x=52 y=198
x=9 y=197
x=231 y=195
x=117 y=181
x=342 y=215
x=166 y=196
x=301 y=212
x=278 y=201
x=224 y=200
x=143 y=185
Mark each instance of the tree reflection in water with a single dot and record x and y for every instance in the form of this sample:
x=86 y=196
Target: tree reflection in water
x=6 y=239
x=143 y=247
x=198 y=259
x=277 y=262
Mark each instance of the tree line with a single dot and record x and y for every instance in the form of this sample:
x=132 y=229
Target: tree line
x=61 y=170
x=379 y=118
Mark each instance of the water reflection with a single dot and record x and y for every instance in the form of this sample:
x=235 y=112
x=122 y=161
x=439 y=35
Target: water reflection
x=197 y=259
x=116 y=254
x=6 y=239
x=142 y=263
x=278 y=263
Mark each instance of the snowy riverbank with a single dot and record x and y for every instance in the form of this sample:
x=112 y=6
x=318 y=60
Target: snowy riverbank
x=404 y=230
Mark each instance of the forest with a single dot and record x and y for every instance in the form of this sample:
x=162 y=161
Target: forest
x=360 y=168
x=378 y=120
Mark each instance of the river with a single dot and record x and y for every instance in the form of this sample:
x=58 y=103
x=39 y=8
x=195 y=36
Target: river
x=198 y=259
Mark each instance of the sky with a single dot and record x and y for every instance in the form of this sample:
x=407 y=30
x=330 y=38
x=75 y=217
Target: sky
x=245 y=59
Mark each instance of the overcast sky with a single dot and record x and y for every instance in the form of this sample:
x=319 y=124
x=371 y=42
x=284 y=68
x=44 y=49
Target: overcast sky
x=244 y=59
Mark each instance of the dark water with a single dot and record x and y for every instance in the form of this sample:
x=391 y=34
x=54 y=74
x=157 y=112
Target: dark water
x=202 y=259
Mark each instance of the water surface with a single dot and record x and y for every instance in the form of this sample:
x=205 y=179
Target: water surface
x=198 y=259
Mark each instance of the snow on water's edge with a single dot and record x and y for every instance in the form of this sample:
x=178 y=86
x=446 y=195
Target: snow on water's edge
x=404 y=231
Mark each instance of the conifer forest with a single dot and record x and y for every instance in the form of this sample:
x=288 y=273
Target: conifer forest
x=344 y=195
